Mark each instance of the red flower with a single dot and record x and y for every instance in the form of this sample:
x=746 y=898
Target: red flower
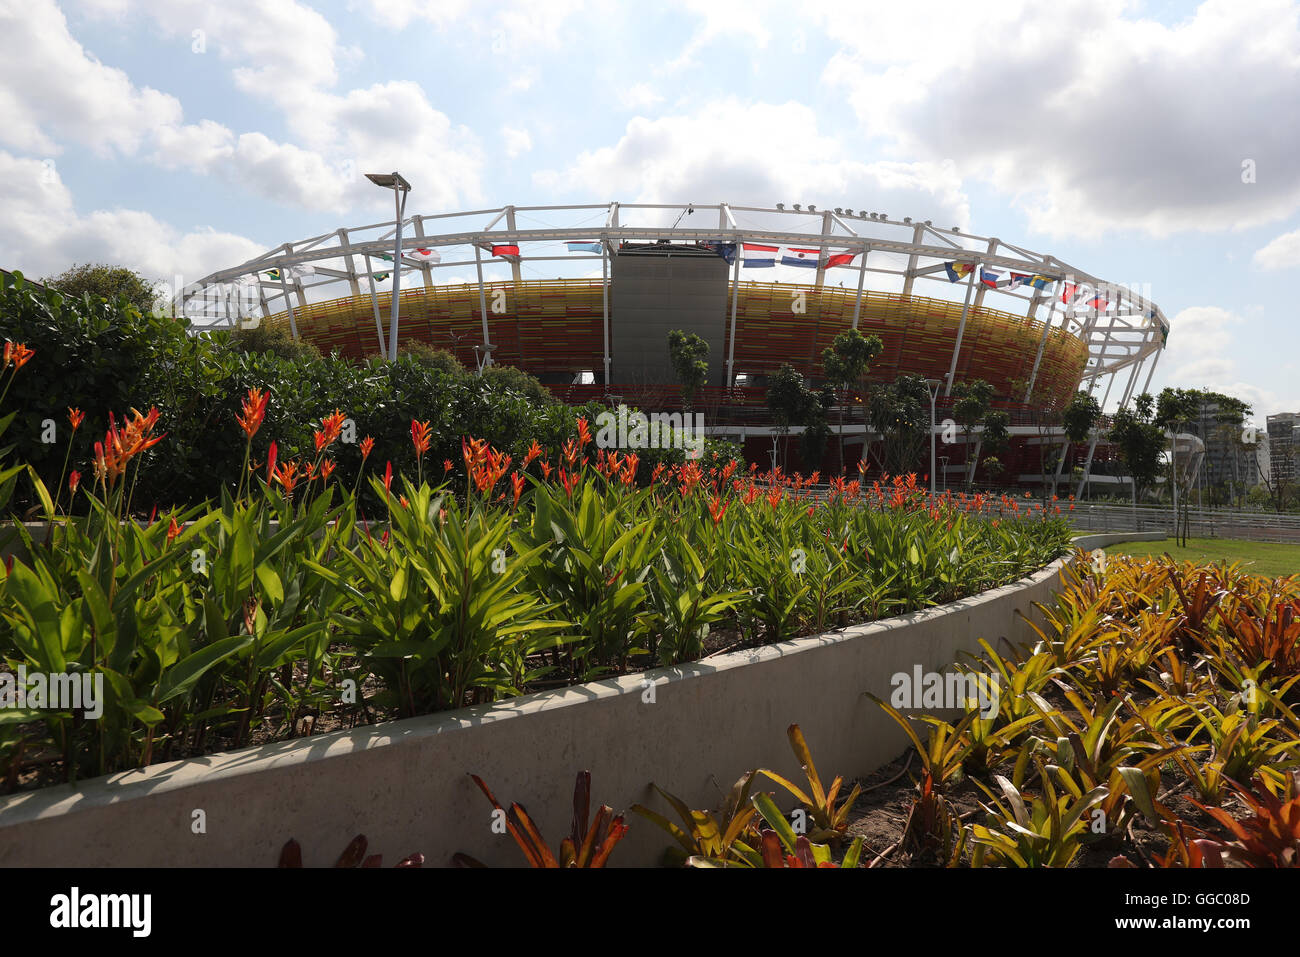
x=326 y=470
x=388 y=477
x=333 y=426
x=584 y=435
x=534 y=451
x=73 y=481
x=18 y=354
x=517 y=483
x=76 y=417
x=367 y=444
x=172 y=531
x=254 y=407
x=271 y=456
x=718 y=509
x=446 y=466
x=421 y=437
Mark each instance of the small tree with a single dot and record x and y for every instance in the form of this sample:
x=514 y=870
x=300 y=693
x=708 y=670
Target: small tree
x=899 y=412
x=689 y=355
x=845 y=362
x=997 y=436
x=790 y=401
x=1078 y=418
x=973 y=400
x=107 y=281
x=1140 y=441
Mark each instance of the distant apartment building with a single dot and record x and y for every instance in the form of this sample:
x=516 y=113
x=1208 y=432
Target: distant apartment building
x=1283 y=444
x=1230 y=458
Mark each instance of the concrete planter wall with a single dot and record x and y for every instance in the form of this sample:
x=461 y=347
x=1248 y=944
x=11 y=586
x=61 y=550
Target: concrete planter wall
x=405 y=784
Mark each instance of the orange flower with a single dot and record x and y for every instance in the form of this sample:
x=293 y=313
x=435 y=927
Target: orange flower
x=534 y=451
x=321 y=440
x=446 y=466
x=172 y=531
x=254 y=408
x=421 y=437
x=326 y=470
x=367 y=444
x=584 y=435
x=76 y=417
x=121 y=445
x=516 y=483
x=718 y=508
x=18 y=354
x=73 y=481
x=546 y=470
x=287 y=476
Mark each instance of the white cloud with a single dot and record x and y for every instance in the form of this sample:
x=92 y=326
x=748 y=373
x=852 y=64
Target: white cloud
x=639 y=96
x=517 y=142
x=44 y=234
x=1089 y=118
x=1283 y=252
x=713 y=155
x=52 y=89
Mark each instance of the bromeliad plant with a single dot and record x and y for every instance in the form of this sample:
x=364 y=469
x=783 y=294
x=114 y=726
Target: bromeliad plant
x=589 y=844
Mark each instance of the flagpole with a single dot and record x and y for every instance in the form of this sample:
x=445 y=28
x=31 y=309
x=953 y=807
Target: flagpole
x=735 y=300
x=482 y=307
x=862 y=278
x=961 y=328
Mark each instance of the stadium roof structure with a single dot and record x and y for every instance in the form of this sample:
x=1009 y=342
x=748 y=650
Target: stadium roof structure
x=1123 y=330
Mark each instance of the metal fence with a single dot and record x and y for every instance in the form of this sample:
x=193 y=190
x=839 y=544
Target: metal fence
x=1202 y=523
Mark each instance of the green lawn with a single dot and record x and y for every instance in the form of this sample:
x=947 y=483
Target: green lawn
x=1261 y=558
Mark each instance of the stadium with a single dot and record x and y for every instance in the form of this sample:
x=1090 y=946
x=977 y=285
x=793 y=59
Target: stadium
x=947 y=305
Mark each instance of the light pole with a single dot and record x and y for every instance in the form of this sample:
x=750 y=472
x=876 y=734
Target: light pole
x=932 y=386
x=944 y=460
x=400 y=188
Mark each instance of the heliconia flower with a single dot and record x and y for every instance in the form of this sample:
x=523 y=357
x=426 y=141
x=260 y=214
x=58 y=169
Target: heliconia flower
x=405 y=503
x=101 y=464
x=270 y=463
x=20 y=355
x=584 y=434
x=446 y=466
x=326 y=470
x=534 y=451
x=546 y=470
x=76 y=417
x=254 y=409
x=421 y=437
x=74 y=480
x=516 y=483
x=388 y=477
x=367 y=444
x=172 y=531
x=718 y=508
x=321 y=440
x=333 y=426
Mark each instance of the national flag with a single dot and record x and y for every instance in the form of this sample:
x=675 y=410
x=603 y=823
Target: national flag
x=839 y=259
x=584 y=247
x=298 y=272
x=765 y=258
x=1099 y=302
x=1068 y=291
x=1039 y=282
x=505 y=250
x=385 y=257
x=380 y=277
x=1019 y=277
x=990 y=277
x=958 y=271
x=273 y=274
x=726 y=250
x=426 y=255
x=807 y=258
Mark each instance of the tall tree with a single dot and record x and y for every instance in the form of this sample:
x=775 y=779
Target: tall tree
x=845 y=362
x=1078 y=418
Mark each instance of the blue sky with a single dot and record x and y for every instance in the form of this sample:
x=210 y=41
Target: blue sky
x=180 y=137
